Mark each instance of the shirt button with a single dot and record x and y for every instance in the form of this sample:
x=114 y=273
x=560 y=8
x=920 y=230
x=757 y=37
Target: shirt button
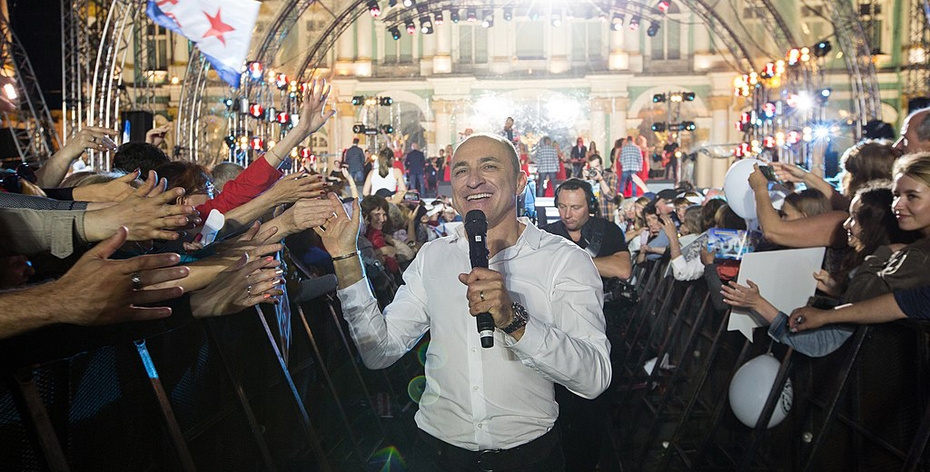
x=475 y=388
x=474 y=350
x=481 y=425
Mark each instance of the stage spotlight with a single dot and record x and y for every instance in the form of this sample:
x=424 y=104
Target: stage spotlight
x=358 y=100
x=821 y=131
x=408 y=3
x=653 y=28
x=825 y=93
x=386 y=101
x=426 y=25
x=658 y=98
x=658 y=127
x=230 y=140
x=687 y=96
x=488 y=20
x=387 y=129
x=556 y=18
x=229 y=103
x=408 y=23
x=438 y=19
x=256 y=110
x=663 y=5
x=822 y=96
x=454 y=15
x=395 y=33
x=822 y=48
x=634 y=23
x=371 y=101
x=508 y=13
x=616 y=23
x=471 y=14
x=374 y=9
x=256 y=70
x=358 y=129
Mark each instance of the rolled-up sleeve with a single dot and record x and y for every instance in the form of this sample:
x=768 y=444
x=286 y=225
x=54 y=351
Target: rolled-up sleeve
x=26 y=231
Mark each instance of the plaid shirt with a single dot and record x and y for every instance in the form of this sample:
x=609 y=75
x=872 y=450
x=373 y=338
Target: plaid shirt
x=631 y=158
x=607 y=203
x=547 y=160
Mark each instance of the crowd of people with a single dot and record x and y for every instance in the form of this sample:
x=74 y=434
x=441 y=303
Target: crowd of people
x=132 y=245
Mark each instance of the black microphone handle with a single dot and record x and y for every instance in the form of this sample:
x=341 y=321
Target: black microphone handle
x=486 y=329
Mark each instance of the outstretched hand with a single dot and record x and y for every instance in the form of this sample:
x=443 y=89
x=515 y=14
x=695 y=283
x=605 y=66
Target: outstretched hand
x=149 y=212
x=243 y=284
x=757 y=181
x=102 y=290
x=312 y=110
x=339 y=231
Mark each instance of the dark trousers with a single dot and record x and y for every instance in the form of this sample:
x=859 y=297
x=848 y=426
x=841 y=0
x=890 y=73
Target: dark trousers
x=585 y=426
x=543 y=454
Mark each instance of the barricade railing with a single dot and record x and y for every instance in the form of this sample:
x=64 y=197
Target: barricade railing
x=864 y=407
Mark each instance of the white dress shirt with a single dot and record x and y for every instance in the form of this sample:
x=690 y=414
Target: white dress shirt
x=500 y=397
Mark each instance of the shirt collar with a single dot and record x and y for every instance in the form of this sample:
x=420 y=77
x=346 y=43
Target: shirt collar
x=531 y=235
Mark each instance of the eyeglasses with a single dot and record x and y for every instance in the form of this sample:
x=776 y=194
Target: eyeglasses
x=11 y=183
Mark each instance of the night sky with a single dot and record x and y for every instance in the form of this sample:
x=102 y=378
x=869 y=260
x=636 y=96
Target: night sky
x=37 y=24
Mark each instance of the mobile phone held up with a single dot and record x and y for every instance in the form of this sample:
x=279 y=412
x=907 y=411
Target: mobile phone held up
x=769 y=173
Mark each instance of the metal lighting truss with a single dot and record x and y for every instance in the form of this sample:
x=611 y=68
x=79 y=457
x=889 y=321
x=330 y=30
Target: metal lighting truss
x=34 y=132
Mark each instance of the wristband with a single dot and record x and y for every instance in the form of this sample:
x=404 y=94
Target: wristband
x=346 y=256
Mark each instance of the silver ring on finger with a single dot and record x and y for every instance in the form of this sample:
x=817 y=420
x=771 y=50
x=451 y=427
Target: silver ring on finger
x=481 y=295
x=800 y=319
x=93 y=139
x=136 y=279
x=248 y=291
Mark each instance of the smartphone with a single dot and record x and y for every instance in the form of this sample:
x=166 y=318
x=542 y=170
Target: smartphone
x=108 y=143
x=412 y=197
x=768 y=172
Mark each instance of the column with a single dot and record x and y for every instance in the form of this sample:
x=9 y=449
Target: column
x=631 y=45
x=345 y=116
x=500 y=50
x=618 y=119
x=617 y=58
x=426 y=54
x=345 y=52
x=442 y=57
x=364 y=55
x=558 y=48
x=443 y=125
x=710 y=172
x=599 y=135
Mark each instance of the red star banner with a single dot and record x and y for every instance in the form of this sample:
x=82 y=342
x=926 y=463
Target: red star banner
x=221 y=29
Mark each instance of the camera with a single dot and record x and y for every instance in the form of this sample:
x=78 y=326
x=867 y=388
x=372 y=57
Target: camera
x=591 y=174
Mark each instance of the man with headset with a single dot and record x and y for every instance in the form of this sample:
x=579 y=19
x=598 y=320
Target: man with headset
x=585 y=423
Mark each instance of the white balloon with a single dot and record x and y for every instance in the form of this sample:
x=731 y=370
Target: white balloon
x=750 y=388
x=739 y=194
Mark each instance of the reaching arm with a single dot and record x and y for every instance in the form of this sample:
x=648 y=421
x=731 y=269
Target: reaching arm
x=53 y=172
x=617 y=264
x=874 y=310
x=822 y=230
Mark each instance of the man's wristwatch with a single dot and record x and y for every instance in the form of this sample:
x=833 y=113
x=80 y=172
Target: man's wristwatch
x=520 y=317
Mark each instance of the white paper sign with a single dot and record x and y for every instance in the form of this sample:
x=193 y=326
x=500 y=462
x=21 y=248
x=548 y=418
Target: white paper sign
x=785 y=278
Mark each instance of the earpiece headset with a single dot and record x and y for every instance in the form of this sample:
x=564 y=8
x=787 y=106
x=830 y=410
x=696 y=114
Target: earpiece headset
x=575 y=183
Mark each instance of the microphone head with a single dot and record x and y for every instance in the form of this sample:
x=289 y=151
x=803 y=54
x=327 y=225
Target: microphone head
x=476 y=222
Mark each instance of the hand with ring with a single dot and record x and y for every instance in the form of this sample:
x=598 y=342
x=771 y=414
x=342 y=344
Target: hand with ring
x=487 y=294
x=259 y=280
x=805 y=318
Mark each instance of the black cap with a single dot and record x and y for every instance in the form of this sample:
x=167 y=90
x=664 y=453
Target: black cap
x=667 y=194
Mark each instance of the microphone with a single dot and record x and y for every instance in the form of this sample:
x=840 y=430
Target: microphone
x=476 y=226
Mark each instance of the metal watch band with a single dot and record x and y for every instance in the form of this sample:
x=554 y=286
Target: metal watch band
x=520 y=318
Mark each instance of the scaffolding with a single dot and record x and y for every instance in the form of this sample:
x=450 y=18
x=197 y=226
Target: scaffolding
x=917 y=83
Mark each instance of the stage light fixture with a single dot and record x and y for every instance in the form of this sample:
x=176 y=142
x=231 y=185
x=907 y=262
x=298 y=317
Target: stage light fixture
x=411 y=28
x=454 y=15
x=602 y=16
x=471 y=14
x=256 y=70
x=687 y=96
x=386 y=101
x=230 y=140
x=687 y=126
x=387 y=129
x=281 y=81
x=408 y=3
x=426 y=25
x=508 y=13
x=229 y=103
x=653 y=28
x=822 y=48
x=438 y=19
x=822 y=96
x=658 y=98
x=374 y=9
x=634 y=23
x=282 y=118
x=488 y=20
x=556 y=20
x=358 y=100
x=395 y=33
x=358 y=128
x=663 y=5
x=256 y=110
x=659 y=127
x=371 y=101
x=616 y=23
